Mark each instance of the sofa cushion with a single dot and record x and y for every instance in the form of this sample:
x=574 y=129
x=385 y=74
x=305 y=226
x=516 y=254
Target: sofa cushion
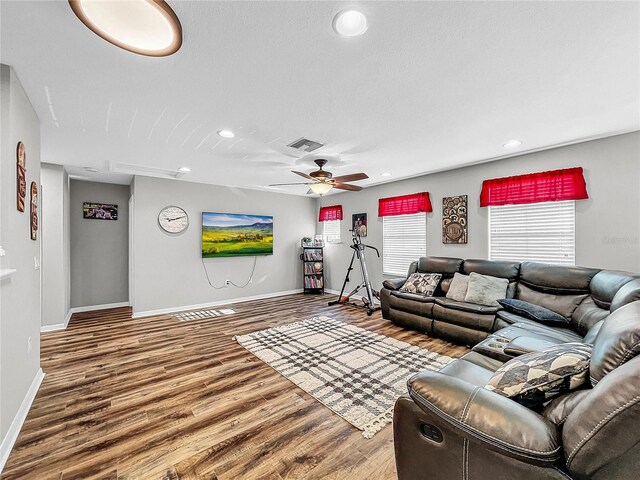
x=606 y=283
x=416 y=297
x=533 y=312
x=537 y=377
x=563 y=303
x=458 y=287
x=526 y=327
x=630 y=292
x=485 y=289
x=421 y=283
x=466 y=306
x=445 y=265
x=469 y=372
x=557 y=279
x=617 y=342
x=494 y=268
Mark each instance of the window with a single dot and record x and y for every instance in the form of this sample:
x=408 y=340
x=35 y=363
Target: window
x=332 y=231
x=537 y=232
x=404 y=240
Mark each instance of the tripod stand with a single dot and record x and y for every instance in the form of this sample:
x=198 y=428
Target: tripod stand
x=359 y=251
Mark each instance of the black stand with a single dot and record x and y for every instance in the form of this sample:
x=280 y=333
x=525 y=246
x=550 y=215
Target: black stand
x=368 y=301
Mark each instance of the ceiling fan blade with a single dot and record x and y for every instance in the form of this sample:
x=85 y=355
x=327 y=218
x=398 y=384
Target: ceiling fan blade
x=287 y=184
x=310 y=191
x=302 y=174
x=354 y=177
x=346 y=186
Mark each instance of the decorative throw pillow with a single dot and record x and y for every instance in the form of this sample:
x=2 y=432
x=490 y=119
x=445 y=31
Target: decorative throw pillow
x=536 y=377
x=458 y=288
x=533 y=312
x=485 y=289
x=421 y=283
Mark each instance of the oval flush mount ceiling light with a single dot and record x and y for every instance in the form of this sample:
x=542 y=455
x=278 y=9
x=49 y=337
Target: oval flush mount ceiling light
x=226 y=133
x=512 y=143
x=184 y=169
x=146 y=27
x=350 y=23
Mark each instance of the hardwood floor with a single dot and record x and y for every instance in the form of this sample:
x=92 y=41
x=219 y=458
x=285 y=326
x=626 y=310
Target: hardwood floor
x=156 y=398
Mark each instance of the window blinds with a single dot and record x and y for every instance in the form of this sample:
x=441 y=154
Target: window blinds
x=404 y=240
x=332 y=231
x=537 y=232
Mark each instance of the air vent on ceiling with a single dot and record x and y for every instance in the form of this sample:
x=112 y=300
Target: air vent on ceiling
x=305 y=145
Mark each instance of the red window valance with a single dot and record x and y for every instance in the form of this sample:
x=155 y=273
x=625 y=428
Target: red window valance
x=552 y=186
x=333 y=212
x=404 y=205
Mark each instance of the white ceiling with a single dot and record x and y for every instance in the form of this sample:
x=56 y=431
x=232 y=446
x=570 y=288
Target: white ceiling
x=430 y=86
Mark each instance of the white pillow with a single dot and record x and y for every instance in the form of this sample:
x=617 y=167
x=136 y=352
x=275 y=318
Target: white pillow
x=486 y=290
x=458 y=288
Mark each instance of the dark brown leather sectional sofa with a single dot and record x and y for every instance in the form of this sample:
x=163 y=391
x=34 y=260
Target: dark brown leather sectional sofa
x=451 y=427
x=583 y=295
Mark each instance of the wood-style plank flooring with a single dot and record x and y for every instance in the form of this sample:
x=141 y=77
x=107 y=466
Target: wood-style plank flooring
x=156 y=398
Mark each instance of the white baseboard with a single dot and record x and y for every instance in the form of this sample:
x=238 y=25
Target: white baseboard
x=334 y=292
x=14 y=429
x=57 y=326
x=163 y=311
x=88 y=308
x=91 y=308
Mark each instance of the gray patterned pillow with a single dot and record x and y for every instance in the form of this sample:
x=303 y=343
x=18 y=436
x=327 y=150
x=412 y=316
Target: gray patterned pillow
x=536 y=377
x=421 y=283
x=485 y=289
x=458 y=288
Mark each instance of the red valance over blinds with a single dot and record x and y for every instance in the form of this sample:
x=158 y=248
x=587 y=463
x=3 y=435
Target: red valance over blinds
x=552 y=186
x=404 y=205
x=333 y=212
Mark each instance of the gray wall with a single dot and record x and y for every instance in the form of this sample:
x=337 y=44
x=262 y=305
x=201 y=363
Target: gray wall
x=20 y=294
x=168 y=269
x=99 y=248
x=607 y=224
x=55 y=245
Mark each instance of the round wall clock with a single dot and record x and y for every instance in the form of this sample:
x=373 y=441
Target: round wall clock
x=173 y=219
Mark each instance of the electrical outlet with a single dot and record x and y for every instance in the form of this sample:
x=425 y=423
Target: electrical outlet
x=227 y=283
x=29 y=345
x=36 y=263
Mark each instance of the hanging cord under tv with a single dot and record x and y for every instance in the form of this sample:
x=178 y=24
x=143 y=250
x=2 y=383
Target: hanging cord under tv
x=253 y=269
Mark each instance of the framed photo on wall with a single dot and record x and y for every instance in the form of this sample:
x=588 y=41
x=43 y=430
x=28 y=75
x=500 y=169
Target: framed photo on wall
x=99 y=211
x=359 y=223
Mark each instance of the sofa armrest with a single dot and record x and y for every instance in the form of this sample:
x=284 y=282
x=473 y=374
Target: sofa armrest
x=394 y=283
x=523 y=345
x=484 y=417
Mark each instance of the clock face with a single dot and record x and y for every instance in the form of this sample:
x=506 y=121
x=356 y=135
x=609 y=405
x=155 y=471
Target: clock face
x=173 y=219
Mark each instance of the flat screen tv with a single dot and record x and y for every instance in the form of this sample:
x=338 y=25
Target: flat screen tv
x=233 y=235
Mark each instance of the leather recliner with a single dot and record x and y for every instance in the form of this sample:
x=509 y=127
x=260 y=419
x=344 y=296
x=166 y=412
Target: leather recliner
x=451 y=427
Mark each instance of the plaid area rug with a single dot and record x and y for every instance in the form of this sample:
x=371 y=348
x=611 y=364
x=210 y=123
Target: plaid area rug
x=356 y=373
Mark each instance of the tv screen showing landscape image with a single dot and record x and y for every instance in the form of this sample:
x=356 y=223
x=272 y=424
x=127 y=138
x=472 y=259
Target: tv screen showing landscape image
x=232 y=235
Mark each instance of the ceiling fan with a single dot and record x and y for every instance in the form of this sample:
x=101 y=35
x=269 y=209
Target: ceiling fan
x=323 y=180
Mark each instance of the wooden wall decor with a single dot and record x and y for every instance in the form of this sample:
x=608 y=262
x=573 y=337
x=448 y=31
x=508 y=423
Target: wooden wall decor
x=21 y=175
x=454 y=219
x=34 y=211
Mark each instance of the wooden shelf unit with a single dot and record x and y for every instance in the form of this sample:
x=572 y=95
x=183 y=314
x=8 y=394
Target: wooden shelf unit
x=312 y=269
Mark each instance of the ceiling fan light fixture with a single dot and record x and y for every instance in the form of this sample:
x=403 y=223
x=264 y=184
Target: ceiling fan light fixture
x=145 y=27
x=321 y=188
x=350 y=23
x=184 y=169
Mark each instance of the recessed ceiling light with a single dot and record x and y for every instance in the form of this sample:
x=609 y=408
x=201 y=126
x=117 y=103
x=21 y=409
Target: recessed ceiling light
x=226 y=133
x=350 y=23
x=147 y=27
x=385 y=174
x=512 y=143
x=184 y=169
x=91 y=169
